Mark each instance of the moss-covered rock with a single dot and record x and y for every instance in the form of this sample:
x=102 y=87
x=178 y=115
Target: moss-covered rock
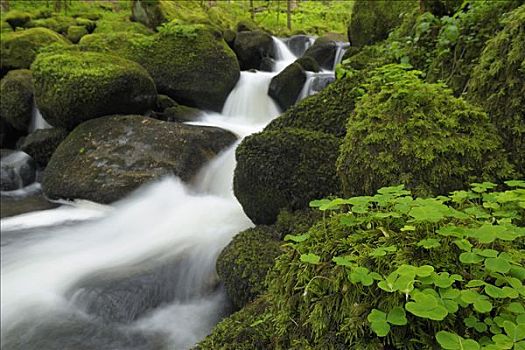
x=17 y=19
x=151 y=13
x=73 y=87
x=406 y=131
x=248 y=329
x=246 y=26
x=286 y=86
x=20 y=48
x=328 y=111
x=308 y=64
x=106 y=158
x=9 y=136
x=284 y=169
x=251 y=47
x=189 y=63
x=461 y=40
x=498 y=85
x=440 y=8
x=180 y=113
x=371 y=21
x=5 y=27
x=164 y=102
x=16 y=99
x=58 y=24
x=107 y=26
x=87 y=23
x=41 y=144
x=242 y=266
x=75 y=33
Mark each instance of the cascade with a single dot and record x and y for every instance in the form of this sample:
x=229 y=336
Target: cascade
x=37 y=121
x=139 y=274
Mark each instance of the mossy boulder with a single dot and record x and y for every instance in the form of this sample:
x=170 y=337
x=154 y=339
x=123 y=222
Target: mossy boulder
x=242 y=266
x=9 y=136
x=108 y=26
x=251 y=47
x=75 y=33
x=17 y=19
x=106 y=158
x=5 y=27
x=372 y=21
x=152 y=13
x=87 y=23
x=323 y=52
x=327 y=112
x=58 y=24
x=242 y=330
x=308 y=64
x=284 y=169
x=406 y=131
x=20 y=48
x=497 y=84
x=16 y=99
x=73 y=87
x=164 y=102
x=41 y=144
x=286 y=86
x=246 y=26
x=440 y=8
x=189 y=63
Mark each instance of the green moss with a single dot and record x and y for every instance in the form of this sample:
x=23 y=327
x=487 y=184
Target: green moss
x=248 y=329
x=121 y=25
x=327 y=111
x=461 y=40
x=16 y=99
x=407 y=131
x=5 y=27
x=75 y=33
x=371 y=21
x=498 y=85
x=308 y=64
x=59 y=24
x=17 y=19
x=20 y=48
x=242 y=266
x=72 y=87
x=87 y=23
x=284 y=169
x=119 y=43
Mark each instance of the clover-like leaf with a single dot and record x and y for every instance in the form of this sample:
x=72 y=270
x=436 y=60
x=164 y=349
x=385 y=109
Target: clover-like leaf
x=470 y=258
x=429 y=243
x=397 y=316
x=310 y=258
x=497 y=265
x=297 y=238
x=452 y=341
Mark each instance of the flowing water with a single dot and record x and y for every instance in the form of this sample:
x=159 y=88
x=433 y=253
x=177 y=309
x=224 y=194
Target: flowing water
x=139 y=274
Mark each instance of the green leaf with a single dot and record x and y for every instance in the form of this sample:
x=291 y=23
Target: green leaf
x=497 y=265
x=516 y=308
x=397 y=316
x=451 y=341
x=494 y=292
x=380 y=328
x=310 y=258
x=453 y=231
x=482 y=306
x=470 y=258
x=408 y=228
x=426 y=306
x=463 y=244
x=344 y=260
x=426 y=214
x=424 y=271
x=475 y=283
x=515 y=183
x=429 y=243
x=442 y=280
x=487 y=253
x=297 y=238
x=515 y=332
x=376 y=316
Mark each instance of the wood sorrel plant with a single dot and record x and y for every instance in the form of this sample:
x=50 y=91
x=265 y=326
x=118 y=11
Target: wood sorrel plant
x=410 y=272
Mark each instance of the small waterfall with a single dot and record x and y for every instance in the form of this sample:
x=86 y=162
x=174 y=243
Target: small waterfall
x=37 y=121
x=139 y=274
x=315 y=82
x=284 y=57
x=341 y=49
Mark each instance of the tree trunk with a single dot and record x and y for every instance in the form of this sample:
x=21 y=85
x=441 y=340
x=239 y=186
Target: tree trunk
x=252 y=11
x=5 y=5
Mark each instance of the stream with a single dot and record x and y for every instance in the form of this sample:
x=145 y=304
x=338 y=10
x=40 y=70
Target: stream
x=139 y=274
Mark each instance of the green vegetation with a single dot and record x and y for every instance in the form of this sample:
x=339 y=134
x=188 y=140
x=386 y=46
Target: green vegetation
x=16 y=99
x=284 y=169
x=20 y=48
x=73 y=87
x=404 y=130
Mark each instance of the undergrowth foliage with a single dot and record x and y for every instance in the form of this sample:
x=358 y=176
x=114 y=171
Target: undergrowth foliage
x=410 y=273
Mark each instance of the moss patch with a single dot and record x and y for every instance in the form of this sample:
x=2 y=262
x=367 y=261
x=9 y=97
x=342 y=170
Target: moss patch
x=16 y=99
x=72 y=87
x=284 y=169
x=406 y=131
x=20 y=48
x=498 y=85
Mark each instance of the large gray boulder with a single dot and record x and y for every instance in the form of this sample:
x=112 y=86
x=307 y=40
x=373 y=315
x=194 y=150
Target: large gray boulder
x=41 y=144
x=105 y=159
